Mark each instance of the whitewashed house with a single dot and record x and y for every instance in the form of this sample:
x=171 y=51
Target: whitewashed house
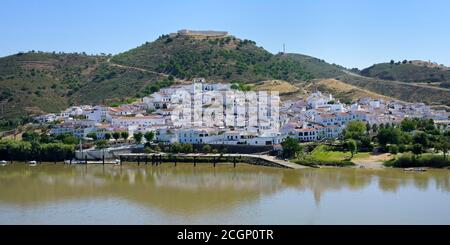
x=138 y=120
x=98 y=114
x=198 y=135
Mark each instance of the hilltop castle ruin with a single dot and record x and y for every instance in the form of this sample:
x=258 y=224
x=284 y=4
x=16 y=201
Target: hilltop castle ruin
x=207 y=33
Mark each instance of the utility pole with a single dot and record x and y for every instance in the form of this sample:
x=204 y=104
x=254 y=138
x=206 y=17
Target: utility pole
x=284 y=48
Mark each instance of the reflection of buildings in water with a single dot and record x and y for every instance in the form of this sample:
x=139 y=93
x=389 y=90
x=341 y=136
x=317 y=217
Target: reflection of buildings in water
x=185 y=189
x=319 y=181
x=235 y=181
x=388 y=180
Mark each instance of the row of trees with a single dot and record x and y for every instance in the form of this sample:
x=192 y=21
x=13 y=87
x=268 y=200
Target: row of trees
x=114 y=135
x=24 y=150
x=44 y=138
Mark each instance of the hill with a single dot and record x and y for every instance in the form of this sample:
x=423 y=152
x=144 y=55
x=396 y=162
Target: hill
x=37 y=82
x=409 y=71
x=221 y=59
x=410 y=92
x=345 y=92
x=317 y=68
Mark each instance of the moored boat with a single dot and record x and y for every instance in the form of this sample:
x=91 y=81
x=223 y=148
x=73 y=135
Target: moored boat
x=415 y=169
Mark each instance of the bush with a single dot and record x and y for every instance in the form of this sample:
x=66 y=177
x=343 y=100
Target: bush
x=206 y=149
x=314 y=163
x=409 y=160
x=393 y=149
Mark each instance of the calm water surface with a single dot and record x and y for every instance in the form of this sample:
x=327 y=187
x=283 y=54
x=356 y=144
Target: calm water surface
x=96 y=194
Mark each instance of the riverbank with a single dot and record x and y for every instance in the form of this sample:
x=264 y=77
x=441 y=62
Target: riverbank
x=425 y=160
x=323 y=156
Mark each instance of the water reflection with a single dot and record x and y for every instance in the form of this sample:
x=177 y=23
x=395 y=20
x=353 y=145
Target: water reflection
x=198 y=189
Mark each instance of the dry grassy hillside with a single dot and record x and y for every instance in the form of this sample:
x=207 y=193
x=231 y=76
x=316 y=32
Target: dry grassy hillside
x=344 y=92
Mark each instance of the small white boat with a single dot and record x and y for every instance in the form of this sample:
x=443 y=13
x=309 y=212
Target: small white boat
x=32 y=163
x=415 y=169
x=3 y=162
x=117 y=161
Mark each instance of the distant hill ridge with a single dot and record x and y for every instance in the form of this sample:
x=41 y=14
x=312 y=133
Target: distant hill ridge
x=409 y=71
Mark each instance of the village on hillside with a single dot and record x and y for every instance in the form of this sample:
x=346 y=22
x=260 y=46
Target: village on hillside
x=317 y=117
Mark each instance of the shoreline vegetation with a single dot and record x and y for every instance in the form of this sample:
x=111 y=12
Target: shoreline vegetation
x=426 y=160
x=411 y=143
x=323 y=156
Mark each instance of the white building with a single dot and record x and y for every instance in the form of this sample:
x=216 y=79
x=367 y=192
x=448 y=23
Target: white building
x=98 y=114
x=317 y=99
x=138 y=120
x=198 y=135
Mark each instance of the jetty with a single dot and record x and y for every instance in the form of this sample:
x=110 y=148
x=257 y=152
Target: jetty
x=196 y=158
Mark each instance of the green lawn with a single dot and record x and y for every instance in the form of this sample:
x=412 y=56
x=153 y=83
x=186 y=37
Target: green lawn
x=321 y=153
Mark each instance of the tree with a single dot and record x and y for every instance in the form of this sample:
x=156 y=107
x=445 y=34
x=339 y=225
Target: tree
x=206 y=148
x=366 y=143
x=92 y=135
x=187 y=148
x=392 y=62
x=149 y=136
x=31 y=136
x=443 y=144
x=116 y=135
x=405 y=138
x=354 y=130
x=138 y=137
x=422 y=139
x=291 y=147
x=101 y=144
x=389 y=136
x=124 y=135
x=393 y=149
x=408 y=125
x=70 y=140
x=175 y=147
x=107 y=136
x=352 y=146
x=417 y=149
x=368 y=127
x=375 y=128
x=56 y=152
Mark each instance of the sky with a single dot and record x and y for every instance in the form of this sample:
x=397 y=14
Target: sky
x=352 y=33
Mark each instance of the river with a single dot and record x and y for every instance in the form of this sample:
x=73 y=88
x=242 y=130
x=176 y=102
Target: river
x=165 y=194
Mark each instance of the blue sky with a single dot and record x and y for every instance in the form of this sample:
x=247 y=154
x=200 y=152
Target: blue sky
x=350 y=33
